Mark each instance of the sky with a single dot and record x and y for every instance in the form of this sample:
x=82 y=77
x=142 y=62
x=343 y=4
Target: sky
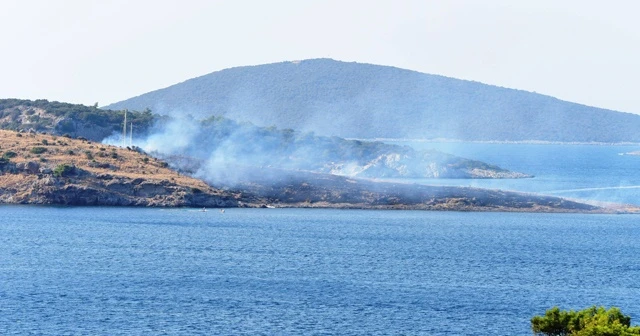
x=90 y=51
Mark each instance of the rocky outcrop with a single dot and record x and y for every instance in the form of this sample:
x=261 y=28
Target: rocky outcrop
x=425 y=164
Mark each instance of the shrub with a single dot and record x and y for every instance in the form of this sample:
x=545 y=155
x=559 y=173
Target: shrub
x=88 y=155
x=37 y=150
x=63 y=170
x=9 y=154
x=45 y=142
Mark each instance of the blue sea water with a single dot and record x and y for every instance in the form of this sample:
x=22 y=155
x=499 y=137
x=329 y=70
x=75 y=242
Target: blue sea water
x=128 y=271
x=137 y=271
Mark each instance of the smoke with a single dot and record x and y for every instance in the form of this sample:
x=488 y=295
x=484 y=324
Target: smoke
x=226 y=152
x=175 y=137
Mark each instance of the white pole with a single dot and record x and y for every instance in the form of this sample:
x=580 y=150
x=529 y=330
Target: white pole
x=124 y=130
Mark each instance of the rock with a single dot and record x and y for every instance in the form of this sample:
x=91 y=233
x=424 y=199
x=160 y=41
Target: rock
x=29 y=167
x=148 y=189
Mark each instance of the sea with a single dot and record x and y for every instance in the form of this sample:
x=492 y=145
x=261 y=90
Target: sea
x=151 y=271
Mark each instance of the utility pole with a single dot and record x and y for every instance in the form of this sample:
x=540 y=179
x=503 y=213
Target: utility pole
x=131 y=135
x=124 y=130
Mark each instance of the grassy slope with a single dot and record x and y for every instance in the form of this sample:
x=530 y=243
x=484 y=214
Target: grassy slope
x=99 y=164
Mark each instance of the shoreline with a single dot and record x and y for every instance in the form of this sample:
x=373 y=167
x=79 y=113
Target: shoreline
x=602 y=209
x=504 y=142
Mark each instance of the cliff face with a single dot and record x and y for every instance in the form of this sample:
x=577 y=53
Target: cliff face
x=43 y=169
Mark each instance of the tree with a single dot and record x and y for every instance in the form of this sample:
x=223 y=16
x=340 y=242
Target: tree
x=593 y=321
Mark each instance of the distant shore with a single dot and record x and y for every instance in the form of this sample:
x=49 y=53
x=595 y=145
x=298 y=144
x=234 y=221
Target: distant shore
x=524 y=142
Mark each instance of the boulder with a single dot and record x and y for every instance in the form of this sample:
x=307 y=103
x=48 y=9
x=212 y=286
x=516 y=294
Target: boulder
x=29 y=167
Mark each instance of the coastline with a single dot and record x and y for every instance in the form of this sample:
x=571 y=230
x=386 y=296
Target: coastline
x=514 y=142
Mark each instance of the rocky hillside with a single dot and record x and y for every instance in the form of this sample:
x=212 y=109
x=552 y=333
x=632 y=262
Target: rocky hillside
x=208 y=146
x=355 y=100
x=46 y=169
x=242 y=143
x=74 y=120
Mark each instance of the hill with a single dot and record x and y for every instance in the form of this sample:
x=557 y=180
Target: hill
x=369 y=101
x=74 y=120
x=46 y=169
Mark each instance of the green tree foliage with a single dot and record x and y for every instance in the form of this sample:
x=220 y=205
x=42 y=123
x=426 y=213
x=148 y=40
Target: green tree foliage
x=63 y=170
x=593 y=321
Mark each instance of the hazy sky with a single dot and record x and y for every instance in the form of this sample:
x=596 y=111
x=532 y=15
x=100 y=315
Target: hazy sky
x=86 y=51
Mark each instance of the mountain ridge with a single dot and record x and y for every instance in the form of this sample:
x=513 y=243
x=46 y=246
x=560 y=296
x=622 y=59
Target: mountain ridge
x=357 y=100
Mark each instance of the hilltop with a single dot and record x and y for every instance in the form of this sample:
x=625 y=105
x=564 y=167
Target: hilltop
x=356 y=100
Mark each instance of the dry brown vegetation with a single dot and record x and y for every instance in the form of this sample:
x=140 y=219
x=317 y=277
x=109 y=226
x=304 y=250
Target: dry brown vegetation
x=90 y=156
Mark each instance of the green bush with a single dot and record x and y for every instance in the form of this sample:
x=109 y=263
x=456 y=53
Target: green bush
x=9 y=154
x=63 y=170
x=594 y=321
x=37 y=150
